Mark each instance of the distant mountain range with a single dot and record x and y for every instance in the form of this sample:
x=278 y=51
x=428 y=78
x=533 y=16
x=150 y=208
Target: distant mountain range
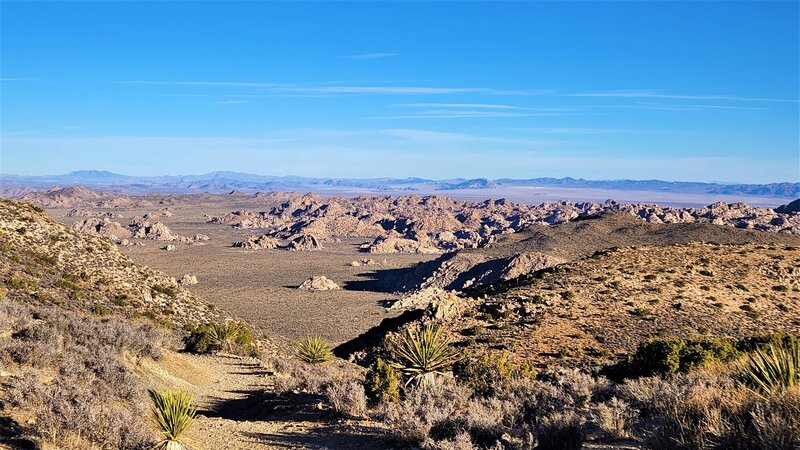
x=219 y=182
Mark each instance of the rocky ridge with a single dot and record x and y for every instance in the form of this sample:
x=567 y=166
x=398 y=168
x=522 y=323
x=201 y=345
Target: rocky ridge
x=414 y=224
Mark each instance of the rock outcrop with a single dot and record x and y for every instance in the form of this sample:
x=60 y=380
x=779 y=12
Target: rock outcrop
x=305 y=242
x=258 y=243
x=187 y=280
x=102 y=227
x=318 y=283
x=400 y=245
x=444 y=224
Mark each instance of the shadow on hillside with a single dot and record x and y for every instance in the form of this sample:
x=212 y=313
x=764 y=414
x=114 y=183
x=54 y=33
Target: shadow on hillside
x=11 y=435
x=374 y=336
x=396 y=280
x=262 y=405
x=334 y=436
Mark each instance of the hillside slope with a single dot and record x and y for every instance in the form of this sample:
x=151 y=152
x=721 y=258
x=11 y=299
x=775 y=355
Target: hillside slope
x=43 y=261
x=540 y=247
x=610 y=302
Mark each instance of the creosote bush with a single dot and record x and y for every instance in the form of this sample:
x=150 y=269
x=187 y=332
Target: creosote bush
x=382 y=382
x=492 y=372
x=668 y=356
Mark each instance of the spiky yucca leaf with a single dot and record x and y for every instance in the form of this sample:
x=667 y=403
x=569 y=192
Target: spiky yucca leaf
x=314 y=350
x=172 y=413
x=423 y=351
x=773 y=368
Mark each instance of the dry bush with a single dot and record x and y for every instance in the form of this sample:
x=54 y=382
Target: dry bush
x=580 y=386
x=425 y=406
x=560 y=431
x=295 y=376
x=711 y=411
x=462 y=441
x=94 y=399
x=347 y=398
x=615 y=418
x=777 y=424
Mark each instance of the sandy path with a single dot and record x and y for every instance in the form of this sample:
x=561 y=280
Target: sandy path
x=238 y=410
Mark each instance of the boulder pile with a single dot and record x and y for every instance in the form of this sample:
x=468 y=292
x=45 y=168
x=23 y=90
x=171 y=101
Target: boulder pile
x=415 y=224
x=318 y=283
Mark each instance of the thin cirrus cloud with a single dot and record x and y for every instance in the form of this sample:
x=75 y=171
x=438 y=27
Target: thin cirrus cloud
x=457 y=105
x=663 y=95
x=281 y=88
x=370 y=55
x=460 y=113
x=683 y=107
x=232 y=102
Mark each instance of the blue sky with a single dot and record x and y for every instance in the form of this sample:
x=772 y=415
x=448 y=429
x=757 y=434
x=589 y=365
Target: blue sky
x=674 y=90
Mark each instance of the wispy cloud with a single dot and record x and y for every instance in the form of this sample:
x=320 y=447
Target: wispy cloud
x=457 y=105
x=681 y=107
x=232 y=102
x=208 y=83
x=369 y=56
x=439 y=137
x=460 y=114
x=633 y=93
x=401 y=90
x=323 y=89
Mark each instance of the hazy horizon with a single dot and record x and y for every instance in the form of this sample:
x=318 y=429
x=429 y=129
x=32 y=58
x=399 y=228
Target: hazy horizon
x=680 y=91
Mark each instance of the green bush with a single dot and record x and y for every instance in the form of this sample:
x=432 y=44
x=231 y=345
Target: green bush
x=492 y=372
x=668 y=356
x=229 y=336
x=314 y=350
x=382 y=383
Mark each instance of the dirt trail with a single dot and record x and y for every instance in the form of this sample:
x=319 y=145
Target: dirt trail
x=238 y=410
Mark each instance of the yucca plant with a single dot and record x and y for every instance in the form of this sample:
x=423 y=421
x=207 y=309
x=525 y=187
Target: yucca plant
x=314 y=350
x=423 y=351
x=228 y=336
x=172 y=413
x=773 y=368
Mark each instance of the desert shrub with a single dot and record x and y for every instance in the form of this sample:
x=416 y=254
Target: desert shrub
x=492 y=372
x=169 y=291
x=615 y=417
x=774 y=368
x=776 y=425
x=347 y=398
x=313 y=350
x=94 y=398
x=425 y=407
x=382 y=382
x=229 y=336
x=668 y=356
x=560 y=431
x=423 y=351
x=577 y=386
x=704 y=410
x=172 y=413
x=756 y=342
x=296 y=376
